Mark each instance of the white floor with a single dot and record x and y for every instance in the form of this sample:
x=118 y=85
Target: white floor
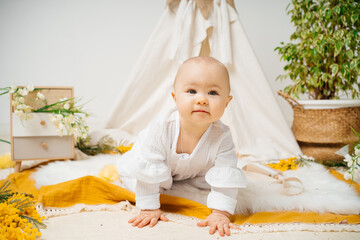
x=113 y=225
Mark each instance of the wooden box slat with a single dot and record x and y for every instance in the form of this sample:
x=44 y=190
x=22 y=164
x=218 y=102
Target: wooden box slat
x=51 y=94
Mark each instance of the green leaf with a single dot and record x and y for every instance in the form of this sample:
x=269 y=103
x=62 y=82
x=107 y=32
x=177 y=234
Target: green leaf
x=328 y=13
x=325 y=77
x=357 y=134
x=313 y=82
x=334 y=68
x=343 y=19
x=350 y=54
x=354 y=17
x=357 y=67
x=314 y=52
x=303 y=34
x=336 y=10
x=5 y=186
x=2 y=140
x=355 y=33
x=309 y=15
x=352 y=64
x=347 y=42
x=349 y=36
x=6 y=90
x=287 y=89
x=338 y=47
x=339 y=33
x=37 y=224
x=343 y=72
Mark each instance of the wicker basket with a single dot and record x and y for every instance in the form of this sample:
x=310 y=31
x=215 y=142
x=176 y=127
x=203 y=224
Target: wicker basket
x=321 y=132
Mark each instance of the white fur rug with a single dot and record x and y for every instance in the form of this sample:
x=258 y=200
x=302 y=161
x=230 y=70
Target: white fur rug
x=322 y=192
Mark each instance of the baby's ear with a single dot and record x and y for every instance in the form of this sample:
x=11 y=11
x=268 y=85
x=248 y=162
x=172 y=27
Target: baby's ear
x=173 y=95
x=229 y=99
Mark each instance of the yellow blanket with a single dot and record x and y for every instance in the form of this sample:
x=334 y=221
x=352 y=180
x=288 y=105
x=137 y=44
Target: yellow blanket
x=92 y=190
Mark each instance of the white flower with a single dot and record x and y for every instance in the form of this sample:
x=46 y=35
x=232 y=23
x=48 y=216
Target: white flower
x=74 y=131
x=23 y=91
x=307 y=158
x=59 y=117
x=54 y=120
x=61 y=126
x=347 y=176
x=29 y=116
x=59 y=132
x=20 y=114
x=63 y=99
x=357 y=150
x=27 y=109
x=347 y=158
x=40 y=96
x=21 y=100
x=66 y=106
x=84 y=135
x=13 y=88
x=21 y=107
x=69 y=119
x=30 y=88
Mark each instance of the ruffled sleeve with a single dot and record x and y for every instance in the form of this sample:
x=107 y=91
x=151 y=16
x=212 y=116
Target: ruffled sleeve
x=146 y=162
x=147 y=158
x=225 y=178
x=224 y=182
x=149 y=171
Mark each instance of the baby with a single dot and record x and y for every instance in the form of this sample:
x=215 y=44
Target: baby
x=188 y=142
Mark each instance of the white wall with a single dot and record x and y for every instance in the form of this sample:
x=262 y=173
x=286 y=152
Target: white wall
x=92 y=44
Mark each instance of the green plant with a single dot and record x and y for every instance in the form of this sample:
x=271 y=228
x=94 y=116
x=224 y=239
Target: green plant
x=323 y=56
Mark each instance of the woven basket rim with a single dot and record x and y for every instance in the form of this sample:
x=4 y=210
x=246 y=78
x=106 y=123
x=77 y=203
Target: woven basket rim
x=329 y=104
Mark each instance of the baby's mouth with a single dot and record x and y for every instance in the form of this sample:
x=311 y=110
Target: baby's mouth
x=201 y=111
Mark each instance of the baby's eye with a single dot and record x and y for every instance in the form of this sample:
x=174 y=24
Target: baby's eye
x=213 y=93
x=192 y=91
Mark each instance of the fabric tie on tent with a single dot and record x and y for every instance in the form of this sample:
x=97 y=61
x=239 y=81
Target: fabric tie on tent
x=187 y=21
x=205 y=6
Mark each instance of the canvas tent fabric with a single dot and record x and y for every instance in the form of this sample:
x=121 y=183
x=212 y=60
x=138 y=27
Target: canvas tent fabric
x=259 y=130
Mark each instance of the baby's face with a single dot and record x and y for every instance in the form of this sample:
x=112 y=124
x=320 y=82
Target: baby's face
x=201 y=92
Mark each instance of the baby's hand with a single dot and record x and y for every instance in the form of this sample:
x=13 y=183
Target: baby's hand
x=148 y=217
x=218 y=220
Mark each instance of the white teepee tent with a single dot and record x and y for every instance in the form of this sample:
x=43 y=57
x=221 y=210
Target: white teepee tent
x=190 y=28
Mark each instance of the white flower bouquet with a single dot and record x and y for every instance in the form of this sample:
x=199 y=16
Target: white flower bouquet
x=65 y=114
x=353 y=161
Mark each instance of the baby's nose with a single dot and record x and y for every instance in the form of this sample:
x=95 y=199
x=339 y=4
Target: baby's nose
x=201 y=100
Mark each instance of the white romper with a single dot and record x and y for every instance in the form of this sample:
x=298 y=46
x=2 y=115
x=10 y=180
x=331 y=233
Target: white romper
x=153 y=164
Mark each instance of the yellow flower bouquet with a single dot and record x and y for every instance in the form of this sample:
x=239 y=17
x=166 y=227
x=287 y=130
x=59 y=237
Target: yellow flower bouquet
x=19 y=219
